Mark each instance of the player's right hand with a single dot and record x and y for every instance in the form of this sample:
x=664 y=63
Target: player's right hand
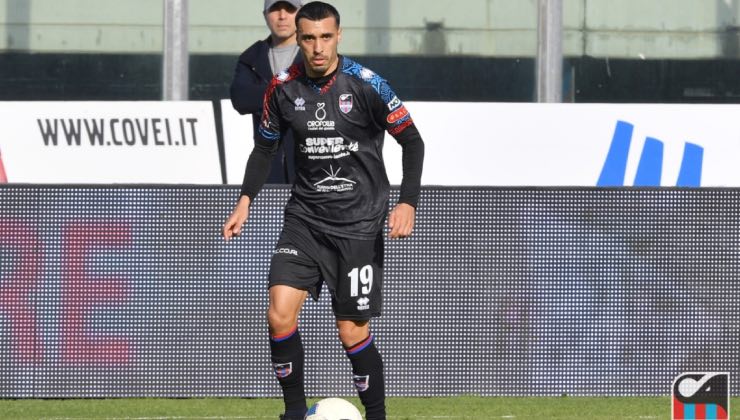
x=233 y=225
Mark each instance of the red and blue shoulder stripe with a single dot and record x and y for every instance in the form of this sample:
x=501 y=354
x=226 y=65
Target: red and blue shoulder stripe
x=284 y=76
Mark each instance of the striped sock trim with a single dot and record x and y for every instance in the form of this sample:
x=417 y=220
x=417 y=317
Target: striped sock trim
x=360 y=346
x=283 y=337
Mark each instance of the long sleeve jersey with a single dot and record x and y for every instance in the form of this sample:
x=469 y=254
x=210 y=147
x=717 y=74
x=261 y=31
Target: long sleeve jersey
x=341 y=186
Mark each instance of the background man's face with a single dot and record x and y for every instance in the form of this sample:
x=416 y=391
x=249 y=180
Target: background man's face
x=318 y=41
x=280 y=19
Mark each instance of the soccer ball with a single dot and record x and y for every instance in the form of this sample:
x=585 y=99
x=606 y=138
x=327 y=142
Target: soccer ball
x=333 y=409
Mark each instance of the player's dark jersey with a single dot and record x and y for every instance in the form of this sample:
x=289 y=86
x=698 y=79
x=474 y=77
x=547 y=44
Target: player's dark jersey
x=341 y=186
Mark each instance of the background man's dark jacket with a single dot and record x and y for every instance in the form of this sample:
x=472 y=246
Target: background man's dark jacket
x=251 y=77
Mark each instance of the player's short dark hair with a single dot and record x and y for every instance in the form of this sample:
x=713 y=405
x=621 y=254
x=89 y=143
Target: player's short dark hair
x=316 y=10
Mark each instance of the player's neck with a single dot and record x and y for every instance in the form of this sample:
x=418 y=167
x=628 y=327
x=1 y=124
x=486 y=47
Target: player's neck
x=276 y=42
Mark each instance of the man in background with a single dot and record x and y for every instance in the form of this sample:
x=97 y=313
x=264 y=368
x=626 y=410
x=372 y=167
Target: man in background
x=256 y=67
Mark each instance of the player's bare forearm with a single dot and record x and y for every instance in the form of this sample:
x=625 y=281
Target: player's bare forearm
x=401 y=221
x=233 y=225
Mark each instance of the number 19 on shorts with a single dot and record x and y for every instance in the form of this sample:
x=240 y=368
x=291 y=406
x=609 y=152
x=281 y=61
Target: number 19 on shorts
x=362 y=275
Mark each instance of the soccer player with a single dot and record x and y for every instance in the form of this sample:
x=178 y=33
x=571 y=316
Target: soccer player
x=333 y=227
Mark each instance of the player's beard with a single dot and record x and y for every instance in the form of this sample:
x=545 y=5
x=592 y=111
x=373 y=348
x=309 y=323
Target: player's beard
x=322 y=69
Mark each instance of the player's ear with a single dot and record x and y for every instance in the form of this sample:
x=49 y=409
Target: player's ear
x=339 y=35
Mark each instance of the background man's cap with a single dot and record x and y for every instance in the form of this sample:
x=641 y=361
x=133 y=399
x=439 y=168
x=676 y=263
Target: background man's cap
x=269 y=3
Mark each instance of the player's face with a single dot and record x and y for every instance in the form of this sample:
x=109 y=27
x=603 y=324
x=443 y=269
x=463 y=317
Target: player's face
x=318 y=41
x=280 y=19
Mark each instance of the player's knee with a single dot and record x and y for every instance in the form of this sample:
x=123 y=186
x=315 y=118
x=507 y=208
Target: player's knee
x=352 y=332
x=280 y=321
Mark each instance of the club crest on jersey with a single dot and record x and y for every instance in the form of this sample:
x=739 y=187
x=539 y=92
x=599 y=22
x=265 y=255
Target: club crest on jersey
x=300 y=104
x=362 y=383
x=345 y=102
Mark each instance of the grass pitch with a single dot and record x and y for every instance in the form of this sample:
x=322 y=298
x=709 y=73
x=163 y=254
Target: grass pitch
x=447 y=408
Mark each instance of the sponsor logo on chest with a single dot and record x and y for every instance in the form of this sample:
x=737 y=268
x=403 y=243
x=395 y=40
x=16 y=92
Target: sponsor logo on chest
x=327 y=147
x=334 y=182
x=319 y=124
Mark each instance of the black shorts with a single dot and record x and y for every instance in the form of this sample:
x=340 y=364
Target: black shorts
x=351 y=268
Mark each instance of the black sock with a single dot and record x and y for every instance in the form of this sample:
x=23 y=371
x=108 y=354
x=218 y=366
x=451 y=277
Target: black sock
x=367 y=370
x=287 y=361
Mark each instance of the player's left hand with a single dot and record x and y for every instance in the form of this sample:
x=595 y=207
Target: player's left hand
x=401 y=221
